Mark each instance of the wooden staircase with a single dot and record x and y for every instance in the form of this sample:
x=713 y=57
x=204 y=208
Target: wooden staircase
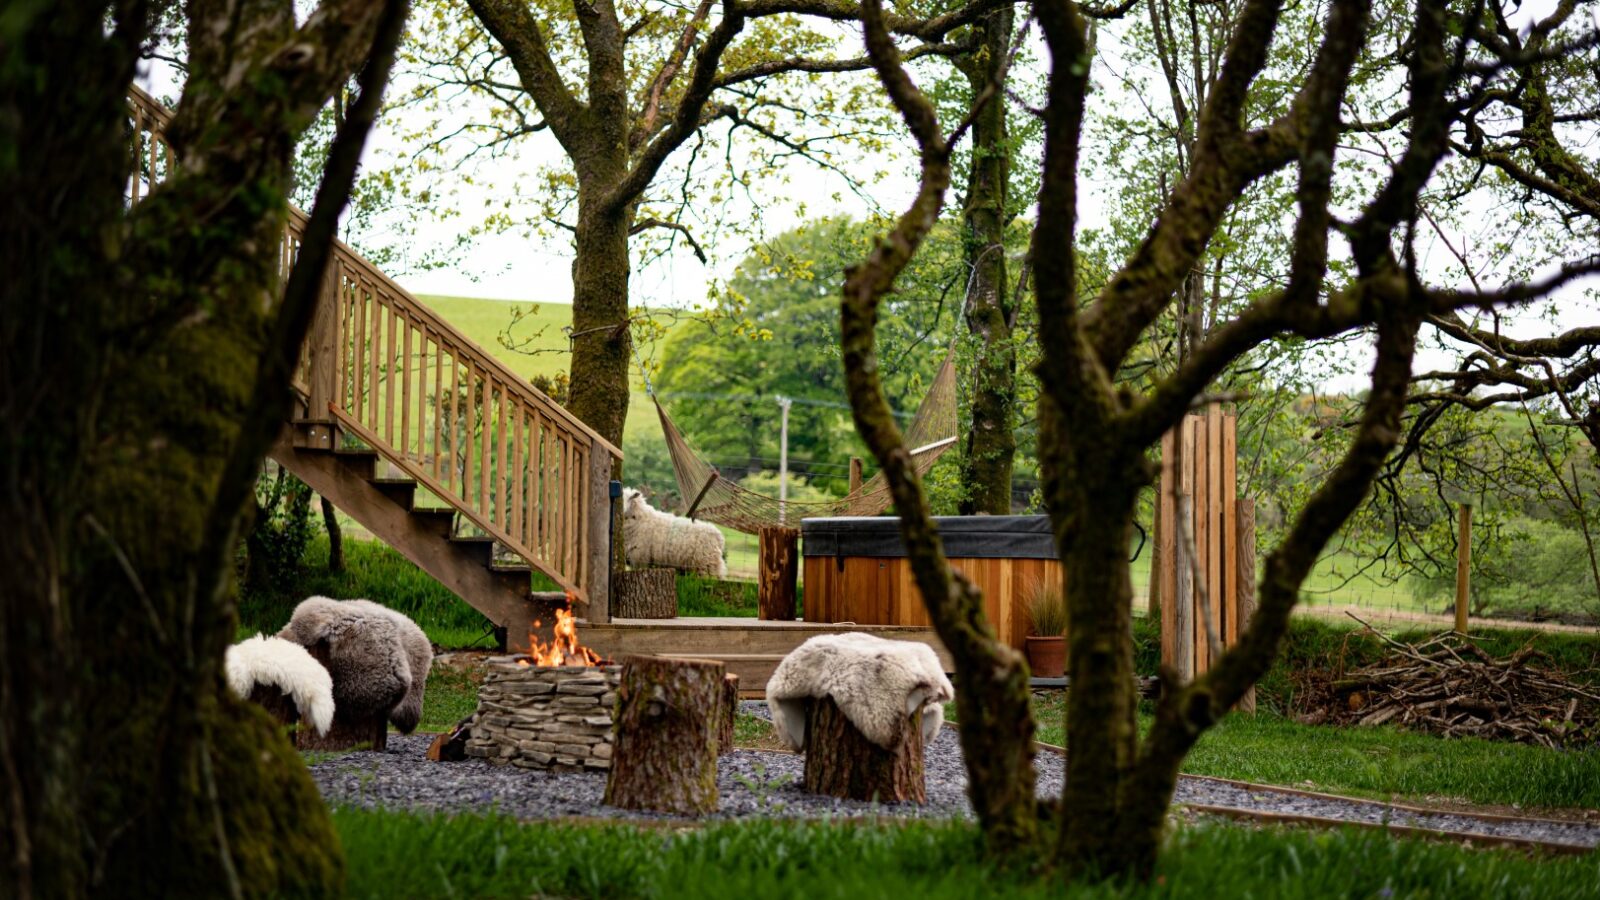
x=431 y=443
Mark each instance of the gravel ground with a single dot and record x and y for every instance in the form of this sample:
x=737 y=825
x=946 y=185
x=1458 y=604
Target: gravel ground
x=756 y=783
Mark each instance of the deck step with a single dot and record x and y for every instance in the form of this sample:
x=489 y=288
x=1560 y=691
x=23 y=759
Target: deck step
x=754 y=669
x=477 y=548
x=439 y=520
x=403 y=491
x=363 y=463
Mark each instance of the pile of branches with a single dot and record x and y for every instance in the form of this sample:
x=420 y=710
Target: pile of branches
x=1450 y=686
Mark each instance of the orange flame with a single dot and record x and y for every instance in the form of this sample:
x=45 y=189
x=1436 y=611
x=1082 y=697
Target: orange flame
x=563 y=648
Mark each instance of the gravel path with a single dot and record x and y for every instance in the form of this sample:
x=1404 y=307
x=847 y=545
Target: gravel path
x=758 y=783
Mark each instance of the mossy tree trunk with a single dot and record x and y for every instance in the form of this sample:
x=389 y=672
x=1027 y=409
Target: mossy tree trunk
x=131 y=432
x=991 y=311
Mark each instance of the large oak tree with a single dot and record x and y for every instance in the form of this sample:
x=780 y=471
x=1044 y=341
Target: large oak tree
x=145 y=360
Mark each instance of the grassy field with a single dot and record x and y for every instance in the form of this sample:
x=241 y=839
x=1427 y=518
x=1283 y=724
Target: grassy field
x=395 y=854
x=1384 y=763
x=540 y=341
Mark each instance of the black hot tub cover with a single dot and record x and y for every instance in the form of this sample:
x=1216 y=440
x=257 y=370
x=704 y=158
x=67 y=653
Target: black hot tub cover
x=967 y=537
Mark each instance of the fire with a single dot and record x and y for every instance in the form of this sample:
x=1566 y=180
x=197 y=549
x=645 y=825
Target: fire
x=563 y=649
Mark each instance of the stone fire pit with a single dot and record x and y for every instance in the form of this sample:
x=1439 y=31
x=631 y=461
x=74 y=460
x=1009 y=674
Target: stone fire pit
x=556 y=717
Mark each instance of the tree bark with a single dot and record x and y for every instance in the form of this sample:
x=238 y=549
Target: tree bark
x=991 y=440
x=132 y=346
x=780 y=571
x=645 y=594
x=840 y=762
x=730 y=713
x=330 y=522
x=669 y=711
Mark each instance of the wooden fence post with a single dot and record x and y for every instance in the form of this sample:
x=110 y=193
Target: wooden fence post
x=1463 y=567
x=780 y=569
x=1245 y=578
x=597 y=588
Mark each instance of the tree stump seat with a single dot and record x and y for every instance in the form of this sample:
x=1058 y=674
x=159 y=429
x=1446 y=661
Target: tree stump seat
x=842 y=762
x=669 y=718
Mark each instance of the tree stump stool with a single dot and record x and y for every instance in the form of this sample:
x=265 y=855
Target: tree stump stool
x=730 y=713
x=280 y=706
x=841 y=762
x=351 y=727
x=645 y=594
x=669 y=711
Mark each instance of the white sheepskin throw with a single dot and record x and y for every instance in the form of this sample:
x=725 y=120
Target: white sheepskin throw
x=875 y=682
x=379 y=658
x=263 y=661
x=655 y=538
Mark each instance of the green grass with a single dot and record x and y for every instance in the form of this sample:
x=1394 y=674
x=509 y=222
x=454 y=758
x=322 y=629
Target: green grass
x=373 y=571
x=1386 y=763
x=451 y=695
x=485 y=320
x=415 y=855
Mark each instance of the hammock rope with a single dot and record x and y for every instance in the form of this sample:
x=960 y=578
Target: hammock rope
x=711 y=497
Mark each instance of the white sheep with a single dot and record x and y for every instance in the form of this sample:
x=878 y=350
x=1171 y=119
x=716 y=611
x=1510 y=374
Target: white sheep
x=656 y=538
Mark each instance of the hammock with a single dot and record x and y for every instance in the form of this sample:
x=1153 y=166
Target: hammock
x=716 y=499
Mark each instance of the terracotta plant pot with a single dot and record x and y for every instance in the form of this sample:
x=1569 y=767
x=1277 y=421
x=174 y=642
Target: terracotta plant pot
x=1047 y=656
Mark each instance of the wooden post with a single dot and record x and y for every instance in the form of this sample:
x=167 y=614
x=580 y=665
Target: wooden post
x=1463 y=567
x=1152 y=599
x=322 y=345
x=841 y=762
x=646 y=594
x=730 y=713
x=780 y=570
x=1167 y=575
x=597 y=562
x=669 y=710
x=1183 y=599
x=855 y=474
x=1245 y=577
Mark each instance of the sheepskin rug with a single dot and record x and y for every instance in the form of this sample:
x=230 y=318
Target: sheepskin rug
x=874 y=681
x=655 y=538
x=263 y=661
x=379 y=658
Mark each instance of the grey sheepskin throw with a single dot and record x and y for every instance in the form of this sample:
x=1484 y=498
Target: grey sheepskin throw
x=379 y=658
x=263 y=661
x=875 y=682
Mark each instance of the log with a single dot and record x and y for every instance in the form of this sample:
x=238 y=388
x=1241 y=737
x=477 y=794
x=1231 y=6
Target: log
x=730 y=710
x=351 y=728
x=668 y=713
x=841 y=762
x=645 y=594
x=780 y=570
x=451 y=746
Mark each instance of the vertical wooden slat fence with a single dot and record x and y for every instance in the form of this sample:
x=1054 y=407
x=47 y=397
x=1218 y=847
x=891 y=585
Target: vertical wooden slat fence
x=512 y=461
x=1199 y=457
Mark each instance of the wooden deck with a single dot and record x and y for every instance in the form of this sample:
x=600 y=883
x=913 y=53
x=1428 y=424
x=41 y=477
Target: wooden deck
x=751 y=648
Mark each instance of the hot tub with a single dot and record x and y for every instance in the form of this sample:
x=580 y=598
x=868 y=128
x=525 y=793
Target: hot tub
x=856 y=569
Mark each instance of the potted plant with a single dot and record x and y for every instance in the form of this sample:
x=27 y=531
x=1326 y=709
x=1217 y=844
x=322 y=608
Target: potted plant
x=1047 y=630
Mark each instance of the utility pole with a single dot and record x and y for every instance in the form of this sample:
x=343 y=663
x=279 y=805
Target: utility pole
x=783 y=460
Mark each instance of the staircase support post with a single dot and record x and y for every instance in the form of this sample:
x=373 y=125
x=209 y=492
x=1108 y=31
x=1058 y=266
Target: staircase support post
x=322 y=345
x=598 y=566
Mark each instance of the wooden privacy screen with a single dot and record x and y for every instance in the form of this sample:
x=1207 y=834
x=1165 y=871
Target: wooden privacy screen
x=443 y=410
x=1199 y=457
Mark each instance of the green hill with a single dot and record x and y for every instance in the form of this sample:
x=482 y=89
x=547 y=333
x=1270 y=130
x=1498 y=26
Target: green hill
x=538 y=336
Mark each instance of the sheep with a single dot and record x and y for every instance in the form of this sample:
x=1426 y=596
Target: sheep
x=263 y=661
x=378 y=657
x=652 y=537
